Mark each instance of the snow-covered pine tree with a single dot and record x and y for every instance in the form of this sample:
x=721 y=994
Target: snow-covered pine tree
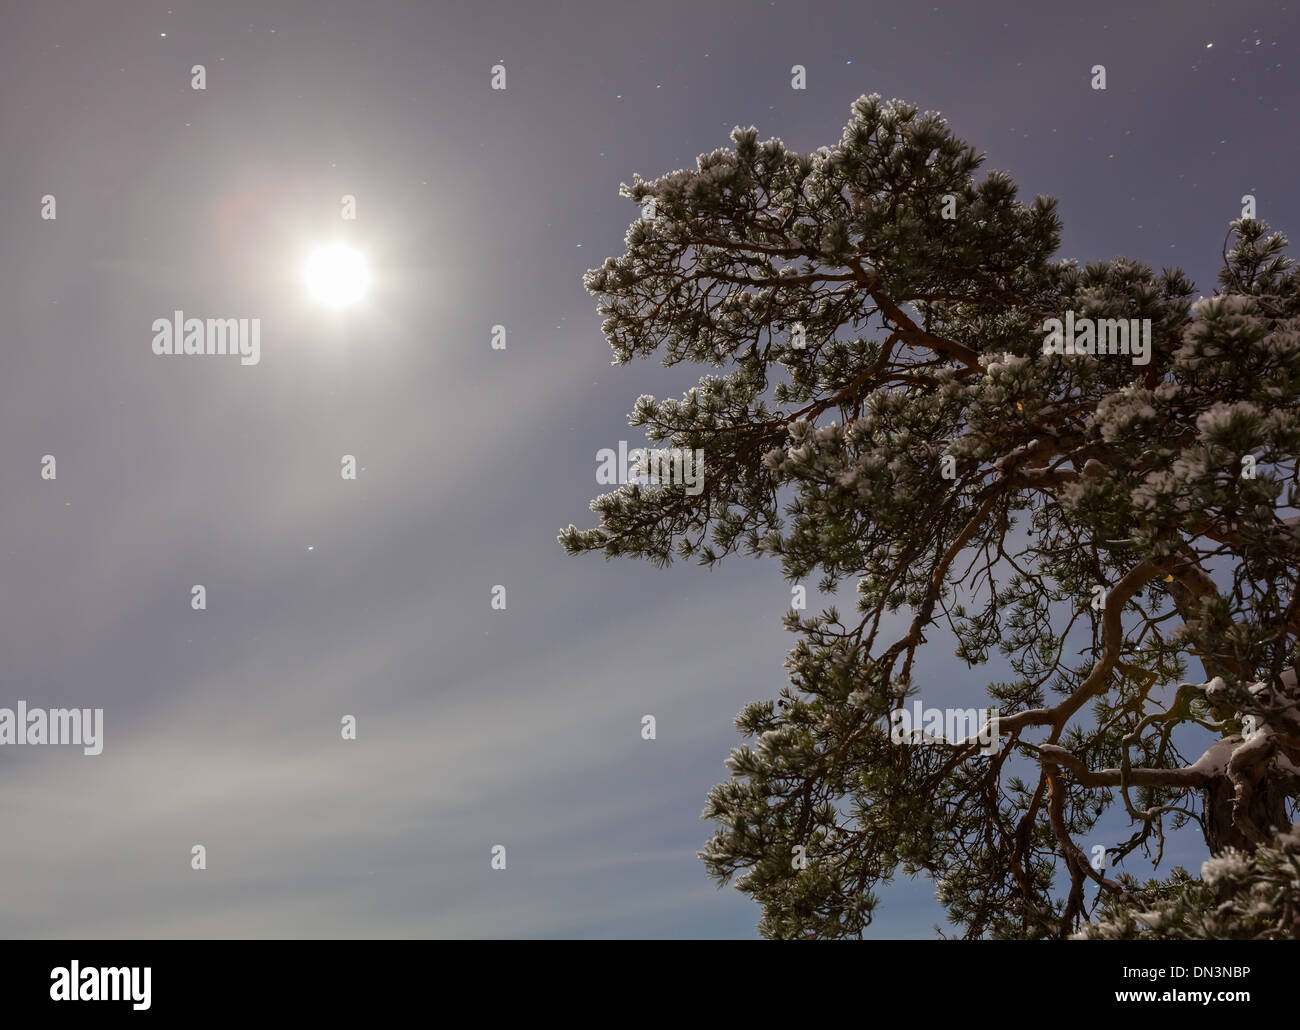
x=888 y=415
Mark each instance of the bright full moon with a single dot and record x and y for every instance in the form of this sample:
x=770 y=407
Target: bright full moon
x=336 y=275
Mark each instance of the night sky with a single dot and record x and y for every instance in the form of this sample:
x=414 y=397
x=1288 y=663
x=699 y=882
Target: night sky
x=372 y=598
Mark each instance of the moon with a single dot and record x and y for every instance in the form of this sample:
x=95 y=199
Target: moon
x=336 y=275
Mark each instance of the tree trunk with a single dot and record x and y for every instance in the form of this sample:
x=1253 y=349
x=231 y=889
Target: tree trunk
x=1265 y=814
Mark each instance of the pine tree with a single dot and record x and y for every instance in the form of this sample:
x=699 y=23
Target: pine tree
x=888 y=413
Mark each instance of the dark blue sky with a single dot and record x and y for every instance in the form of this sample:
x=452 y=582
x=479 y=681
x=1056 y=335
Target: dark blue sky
x=475 y=208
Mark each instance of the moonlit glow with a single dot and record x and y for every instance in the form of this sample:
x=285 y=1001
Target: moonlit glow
x=336 y=275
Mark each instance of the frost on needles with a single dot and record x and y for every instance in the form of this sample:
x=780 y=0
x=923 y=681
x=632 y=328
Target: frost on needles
x=878 y=409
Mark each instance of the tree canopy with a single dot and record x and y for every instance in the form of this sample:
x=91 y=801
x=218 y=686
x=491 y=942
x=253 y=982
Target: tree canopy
x=883 y=411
